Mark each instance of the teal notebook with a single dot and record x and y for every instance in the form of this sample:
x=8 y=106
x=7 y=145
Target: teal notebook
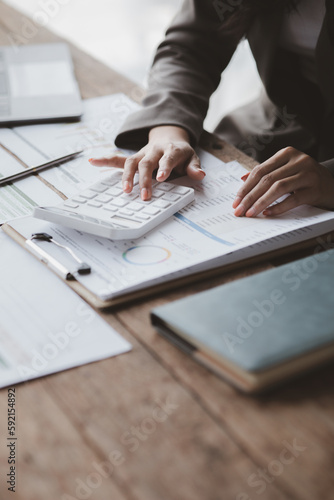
x=260 y=330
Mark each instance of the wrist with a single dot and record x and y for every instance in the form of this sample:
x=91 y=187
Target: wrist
x=169 y=133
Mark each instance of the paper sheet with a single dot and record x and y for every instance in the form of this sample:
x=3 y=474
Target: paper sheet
x=44 y=326
x=95 y=133
x=19 y=199
x=203 y=236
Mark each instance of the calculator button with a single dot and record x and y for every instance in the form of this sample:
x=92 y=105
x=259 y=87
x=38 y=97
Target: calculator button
x=162 y=204
x=94 y=204
x=135 y=206
x=125 y=211
x=166 y=187
x=142 y=202
x=99 y=188
x=88 y=195
x=130 y=196
x=114 y=191
x=142 y=216
x=104 y=198
x=70 y=204
x=110 y=208
x=110 y=182
x=180 y=190
x=151 y=211
x=119 y=202
x=124 y=219
x=157 y=193
x=171 y=197
x=80 y=200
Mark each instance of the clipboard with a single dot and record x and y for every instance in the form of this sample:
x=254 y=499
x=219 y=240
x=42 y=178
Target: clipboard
x=224 y=152
x=262 y=258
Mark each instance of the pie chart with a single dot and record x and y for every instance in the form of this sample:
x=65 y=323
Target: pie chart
x=146 y=255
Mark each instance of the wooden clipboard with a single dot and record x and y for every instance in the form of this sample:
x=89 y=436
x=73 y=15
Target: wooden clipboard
x=224 y=152
x=291 y=250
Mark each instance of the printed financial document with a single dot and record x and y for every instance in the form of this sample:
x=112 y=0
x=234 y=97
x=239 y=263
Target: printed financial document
x=202 y=236
x=44 y=326
x=19 y=199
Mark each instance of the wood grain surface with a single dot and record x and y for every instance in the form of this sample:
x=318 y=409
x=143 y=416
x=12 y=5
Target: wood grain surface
x=152 y=424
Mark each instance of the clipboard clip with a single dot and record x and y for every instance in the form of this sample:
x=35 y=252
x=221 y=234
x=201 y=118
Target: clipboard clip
x=82 y=267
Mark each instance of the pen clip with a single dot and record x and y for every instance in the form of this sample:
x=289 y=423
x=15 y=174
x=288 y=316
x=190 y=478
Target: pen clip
x=82 y=268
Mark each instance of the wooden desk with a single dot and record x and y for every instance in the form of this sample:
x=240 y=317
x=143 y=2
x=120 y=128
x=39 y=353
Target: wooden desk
x=173 y=430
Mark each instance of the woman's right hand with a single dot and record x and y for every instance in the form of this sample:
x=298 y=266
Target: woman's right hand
x=168 y=149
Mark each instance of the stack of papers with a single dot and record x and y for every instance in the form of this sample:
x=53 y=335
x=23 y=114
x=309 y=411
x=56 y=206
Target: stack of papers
x=44 y=326
x=19 y=199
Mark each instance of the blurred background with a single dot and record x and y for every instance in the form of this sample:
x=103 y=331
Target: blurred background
x=124 y=34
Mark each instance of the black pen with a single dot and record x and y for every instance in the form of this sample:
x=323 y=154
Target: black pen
x=38 y=168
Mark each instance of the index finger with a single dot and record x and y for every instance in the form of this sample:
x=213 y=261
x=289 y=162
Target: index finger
x=278 y=160
x=111 y=161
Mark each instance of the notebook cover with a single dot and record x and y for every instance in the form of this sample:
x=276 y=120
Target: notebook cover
x=263 y=320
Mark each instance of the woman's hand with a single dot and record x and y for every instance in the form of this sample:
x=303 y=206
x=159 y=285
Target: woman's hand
x=168 y=149
x=288 y=172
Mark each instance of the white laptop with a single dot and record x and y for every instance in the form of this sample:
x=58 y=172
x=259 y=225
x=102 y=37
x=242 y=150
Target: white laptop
x=37 y=84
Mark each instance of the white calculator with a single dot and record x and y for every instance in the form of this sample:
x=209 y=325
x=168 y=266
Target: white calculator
x=105 y=210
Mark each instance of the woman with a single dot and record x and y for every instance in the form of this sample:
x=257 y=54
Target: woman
x=290 y=129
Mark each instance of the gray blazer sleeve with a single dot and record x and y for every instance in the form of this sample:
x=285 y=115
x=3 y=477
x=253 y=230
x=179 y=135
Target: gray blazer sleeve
x=186 y=70
x=330 y=165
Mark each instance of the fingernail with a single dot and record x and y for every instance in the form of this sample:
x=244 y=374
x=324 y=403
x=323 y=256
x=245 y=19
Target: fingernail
x=240 y=210
x=236 y=201
x=160 y=174
x=144 y=194
x=126 y=186
x=202 y=172
x=267 y=212
x=251 y=212
x=244 y=177
x=91 y=159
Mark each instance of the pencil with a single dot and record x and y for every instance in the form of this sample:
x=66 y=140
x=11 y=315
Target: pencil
x=34 y=170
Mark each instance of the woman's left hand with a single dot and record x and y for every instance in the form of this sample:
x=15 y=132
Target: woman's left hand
x=288 y=172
